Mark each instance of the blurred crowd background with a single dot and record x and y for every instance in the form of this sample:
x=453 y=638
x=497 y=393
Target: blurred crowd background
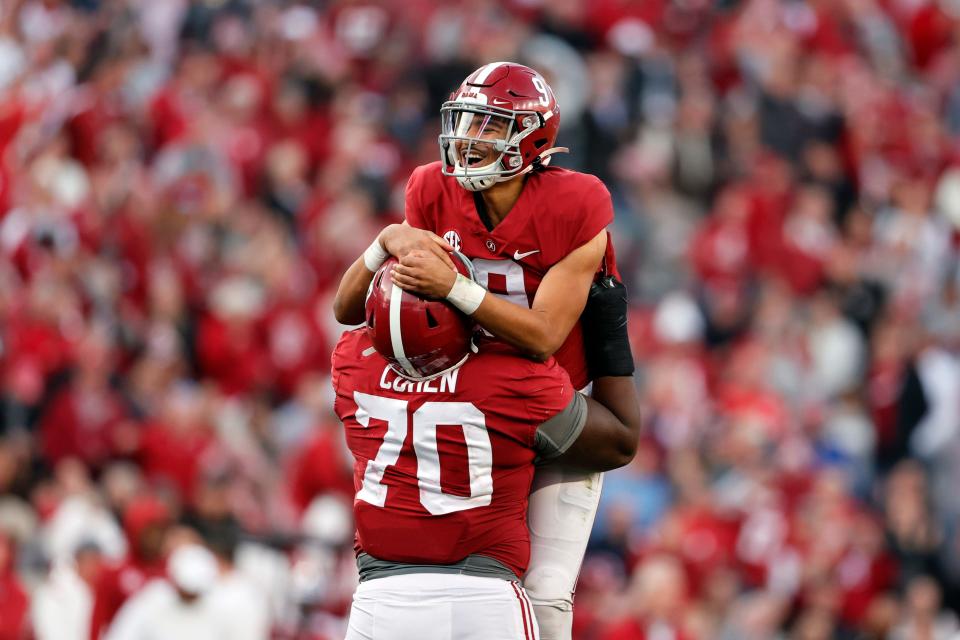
x=183 y=182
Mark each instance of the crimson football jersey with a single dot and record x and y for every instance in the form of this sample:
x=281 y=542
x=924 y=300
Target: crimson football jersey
x=443 y=468
x=558 y=211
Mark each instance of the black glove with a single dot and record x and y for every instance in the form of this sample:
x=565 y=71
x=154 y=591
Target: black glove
x=605 y=329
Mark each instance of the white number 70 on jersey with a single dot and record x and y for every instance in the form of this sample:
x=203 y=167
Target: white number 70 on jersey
x=426 y=420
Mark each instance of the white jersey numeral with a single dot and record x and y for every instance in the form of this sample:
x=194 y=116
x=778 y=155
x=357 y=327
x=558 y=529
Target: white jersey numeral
x=394 y=413
x=426 y=420
x=508 y=281
x=430 y=417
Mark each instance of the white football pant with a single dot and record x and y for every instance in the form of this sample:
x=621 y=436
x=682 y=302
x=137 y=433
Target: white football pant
x=563 y=505
x=437 y=606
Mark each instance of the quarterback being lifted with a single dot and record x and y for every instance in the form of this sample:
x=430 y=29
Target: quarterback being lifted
x=537 y=237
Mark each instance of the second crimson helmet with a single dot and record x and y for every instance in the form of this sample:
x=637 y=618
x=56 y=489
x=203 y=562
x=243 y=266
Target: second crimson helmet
x=420 y=337
x=504 y=106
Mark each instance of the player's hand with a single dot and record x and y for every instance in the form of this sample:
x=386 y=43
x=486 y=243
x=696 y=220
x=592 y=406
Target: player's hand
x=400 y=239
x=605 y=335
x=423 y=273
x=606 y=308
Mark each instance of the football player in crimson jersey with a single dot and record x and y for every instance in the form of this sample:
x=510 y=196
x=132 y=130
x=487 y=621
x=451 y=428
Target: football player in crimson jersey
x=445 y=444
x=536 y=235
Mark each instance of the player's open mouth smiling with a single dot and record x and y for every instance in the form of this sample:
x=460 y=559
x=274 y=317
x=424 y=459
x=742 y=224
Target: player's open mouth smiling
x=474 y=158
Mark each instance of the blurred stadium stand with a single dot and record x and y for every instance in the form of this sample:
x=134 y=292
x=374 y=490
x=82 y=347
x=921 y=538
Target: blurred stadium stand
x=182 y=183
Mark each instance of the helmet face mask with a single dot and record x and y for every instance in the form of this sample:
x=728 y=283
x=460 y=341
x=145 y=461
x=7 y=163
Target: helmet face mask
x=481 y=146
x=499 y=124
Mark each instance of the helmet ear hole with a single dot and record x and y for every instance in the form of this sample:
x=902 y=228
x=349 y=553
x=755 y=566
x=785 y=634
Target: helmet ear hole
x=371 y=320
x=542 y=142
x=378 y=280
x=431 y=321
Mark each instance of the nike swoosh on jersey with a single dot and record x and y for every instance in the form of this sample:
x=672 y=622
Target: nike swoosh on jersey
x=520 y=256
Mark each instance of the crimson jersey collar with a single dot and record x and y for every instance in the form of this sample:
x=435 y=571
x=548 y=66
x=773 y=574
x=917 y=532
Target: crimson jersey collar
x=513 y=226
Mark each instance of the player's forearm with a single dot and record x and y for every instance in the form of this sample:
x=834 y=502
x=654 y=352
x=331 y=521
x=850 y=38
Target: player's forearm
x=348 y=304
x=533 y=331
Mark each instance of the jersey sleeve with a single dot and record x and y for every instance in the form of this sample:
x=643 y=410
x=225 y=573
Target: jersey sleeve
x=344 y=369
x=337 y=360
x=558 y=434
x=535 y=393
x=413 y=200
x=596 y=212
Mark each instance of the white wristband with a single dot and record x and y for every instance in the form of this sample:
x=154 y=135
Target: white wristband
x=466 y=294
x=375 y=256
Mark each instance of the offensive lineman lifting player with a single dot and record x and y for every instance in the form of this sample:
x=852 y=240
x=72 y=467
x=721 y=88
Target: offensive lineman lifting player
x=444 y=444
x=498 y=132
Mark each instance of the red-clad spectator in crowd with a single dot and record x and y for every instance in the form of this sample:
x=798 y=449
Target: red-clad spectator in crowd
x=145 y=521
x=179 y=102
x=87 y=419
x=721 y=252
x=295 y=343
x=195 y=176
x=930 y=31
x=36 y=339
x=808 y=238
x=99 y=105
x=228 y=344
x=885 y=382
x=320 y=467
x=294 y=119
x=865 y=571
x=242 y=133
x=696 y=532
x=291 y=327
x=14 y=604
x=770 y=193
x=656 y=602
x=172 y=447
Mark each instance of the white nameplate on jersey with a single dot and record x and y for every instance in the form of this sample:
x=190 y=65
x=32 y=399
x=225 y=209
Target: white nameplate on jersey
x=447 y=383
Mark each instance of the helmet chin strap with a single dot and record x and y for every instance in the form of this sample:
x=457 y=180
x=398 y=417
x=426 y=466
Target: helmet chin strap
x=544 y=158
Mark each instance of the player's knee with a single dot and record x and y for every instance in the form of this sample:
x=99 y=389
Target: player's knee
x=551 y=586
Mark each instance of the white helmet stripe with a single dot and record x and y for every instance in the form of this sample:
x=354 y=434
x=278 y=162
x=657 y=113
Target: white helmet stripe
x=396 y=338
x=486 y=71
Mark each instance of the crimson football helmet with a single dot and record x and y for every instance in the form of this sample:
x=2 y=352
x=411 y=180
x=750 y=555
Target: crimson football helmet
x=422 y=338
x=505 y=113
